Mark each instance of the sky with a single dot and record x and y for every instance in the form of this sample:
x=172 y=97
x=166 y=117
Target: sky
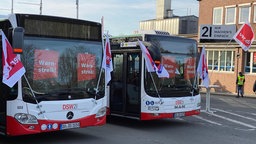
x=120 y=16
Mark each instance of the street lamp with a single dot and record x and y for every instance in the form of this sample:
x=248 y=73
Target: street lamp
x=12 y=8
x=41 y=6
x=77 y=8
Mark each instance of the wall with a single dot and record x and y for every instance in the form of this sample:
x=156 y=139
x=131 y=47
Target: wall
x=227 y=80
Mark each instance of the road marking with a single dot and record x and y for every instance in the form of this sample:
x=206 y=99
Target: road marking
x=234 y=114
x=209 y=121
x=234 y=121
x=181 y=119
x=254 y=114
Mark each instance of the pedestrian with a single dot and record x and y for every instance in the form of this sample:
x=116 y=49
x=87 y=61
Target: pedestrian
x=240 y=84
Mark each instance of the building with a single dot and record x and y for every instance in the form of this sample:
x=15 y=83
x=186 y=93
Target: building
x=225 y=57
x=167 y=21
x=163 y=9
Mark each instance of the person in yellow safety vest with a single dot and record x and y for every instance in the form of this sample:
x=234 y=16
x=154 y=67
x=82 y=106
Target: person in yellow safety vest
x=240 y=84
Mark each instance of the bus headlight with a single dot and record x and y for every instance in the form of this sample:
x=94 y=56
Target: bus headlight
x=101 y=112
x=25 y=118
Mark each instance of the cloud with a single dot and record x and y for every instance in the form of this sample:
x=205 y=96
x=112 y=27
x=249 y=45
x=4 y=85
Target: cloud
x=120 y=16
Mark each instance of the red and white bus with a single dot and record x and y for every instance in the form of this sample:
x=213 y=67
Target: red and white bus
x=136 y=93
x=62 y=58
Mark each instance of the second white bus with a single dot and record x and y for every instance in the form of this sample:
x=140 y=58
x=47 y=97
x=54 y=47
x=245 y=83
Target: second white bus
x=136 y=93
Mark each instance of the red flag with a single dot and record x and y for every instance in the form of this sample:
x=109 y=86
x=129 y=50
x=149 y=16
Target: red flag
x=107 y=60
x=202 y=69
x=244 y=36
x=12 y=67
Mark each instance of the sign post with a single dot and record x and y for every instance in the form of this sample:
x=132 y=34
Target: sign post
x=208 y=97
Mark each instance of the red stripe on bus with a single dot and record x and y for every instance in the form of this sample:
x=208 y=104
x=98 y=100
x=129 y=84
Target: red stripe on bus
x=152 y=116
x=14 y=128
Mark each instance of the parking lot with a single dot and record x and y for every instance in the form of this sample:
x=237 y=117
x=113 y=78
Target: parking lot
x=233 y=121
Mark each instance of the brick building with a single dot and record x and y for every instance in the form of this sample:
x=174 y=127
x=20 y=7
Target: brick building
x=226 y=58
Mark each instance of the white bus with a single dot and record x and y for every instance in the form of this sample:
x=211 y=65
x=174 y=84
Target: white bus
x=62 y=58
x=136 y=93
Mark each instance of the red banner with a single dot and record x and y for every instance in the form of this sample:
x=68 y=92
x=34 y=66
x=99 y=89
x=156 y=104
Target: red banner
x=170 y=65
x=86 y=69
x=244 y=36
x=45 y=64
x=189 y=71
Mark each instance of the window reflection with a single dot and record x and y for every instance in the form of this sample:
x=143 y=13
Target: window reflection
x=250 y=63
x=55 y=65
x=220 y=60
x=178 y=56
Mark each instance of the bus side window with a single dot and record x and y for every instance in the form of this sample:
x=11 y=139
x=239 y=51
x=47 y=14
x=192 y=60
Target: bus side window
x=13 y=92
x=9 y=93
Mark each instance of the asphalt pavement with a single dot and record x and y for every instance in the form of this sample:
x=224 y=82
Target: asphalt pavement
x=230 y=120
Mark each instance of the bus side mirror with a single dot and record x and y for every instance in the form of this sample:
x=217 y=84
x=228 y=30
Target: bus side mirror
x=17 y=40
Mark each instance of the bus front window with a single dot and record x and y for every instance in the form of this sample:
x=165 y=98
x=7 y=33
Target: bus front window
x=179 y=59
x=59 y=69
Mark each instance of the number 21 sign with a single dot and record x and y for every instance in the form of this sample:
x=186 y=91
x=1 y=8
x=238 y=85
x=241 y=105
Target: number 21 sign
x=214 y=32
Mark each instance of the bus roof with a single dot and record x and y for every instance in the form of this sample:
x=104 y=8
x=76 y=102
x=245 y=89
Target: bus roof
x=143 y=32
x=53 y=26
x=125 y=36
x=134 y=37
x=20 y=16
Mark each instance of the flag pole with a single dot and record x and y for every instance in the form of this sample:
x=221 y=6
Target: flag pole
x=101 y=69
x=155 y=87
x=33 y=94
x=150 y=65
x=220 y=56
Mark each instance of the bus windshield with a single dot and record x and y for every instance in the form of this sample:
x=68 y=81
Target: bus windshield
x=179 y=57
x=60 y=69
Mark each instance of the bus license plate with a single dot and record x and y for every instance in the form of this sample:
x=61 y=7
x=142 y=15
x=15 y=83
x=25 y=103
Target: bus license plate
x=178 y=115
x=70 y=125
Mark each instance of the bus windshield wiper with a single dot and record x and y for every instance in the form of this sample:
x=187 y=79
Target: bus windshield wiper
x=94 y=93
x=157 y=92
x=33 y=94
x=59 y=94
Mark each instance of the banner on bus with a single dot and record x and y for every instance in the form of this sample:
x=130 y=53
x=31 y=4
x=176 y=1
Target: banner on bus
x=189 y=69
x=170 y=65
x=86 y=69
x=45 y=64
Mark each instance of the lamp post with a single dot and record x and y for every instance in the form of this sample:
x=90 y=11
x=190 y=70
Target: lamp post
x=77 y=8
x=41 y=6
x=12 y=8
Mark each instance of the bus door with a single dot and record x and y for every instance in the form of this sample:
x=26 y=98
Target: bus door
x=125 y=84
x=3 y=94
